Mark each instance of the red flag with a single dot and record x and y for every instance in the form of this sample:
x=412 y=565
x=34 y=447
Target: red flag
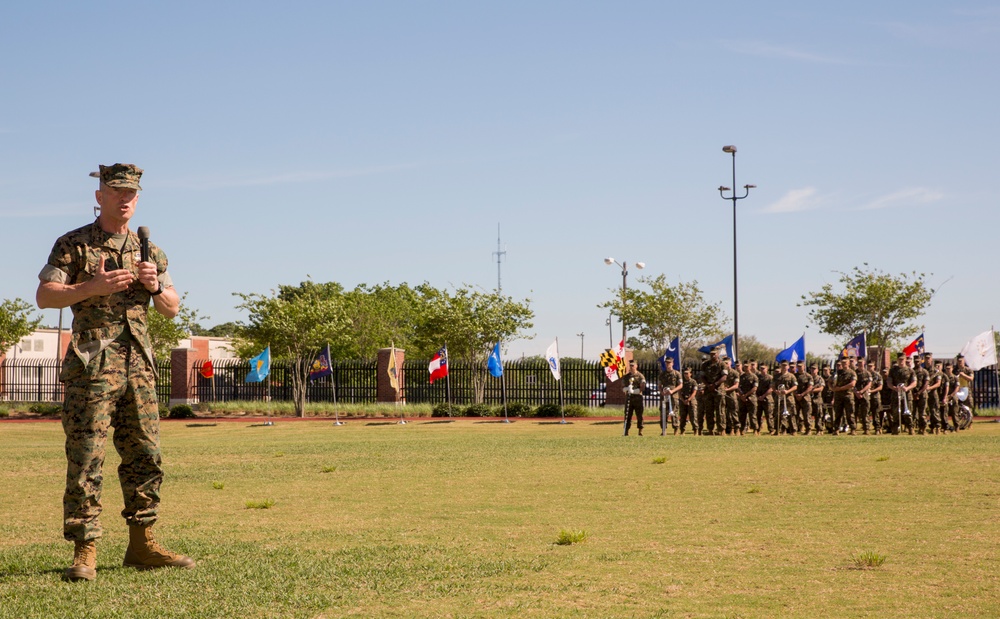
x=207 y=370
x=916 y=347
x=438 y=367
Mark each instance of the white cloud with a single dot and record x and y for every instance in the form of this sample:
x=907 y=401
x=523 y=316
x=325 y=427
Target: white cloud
x=794 y=201
x=767 y=50
x=904 y=197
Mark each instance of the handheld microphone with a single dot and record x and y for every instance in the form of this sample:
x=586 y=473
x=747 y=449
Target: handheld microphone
x=143 y=233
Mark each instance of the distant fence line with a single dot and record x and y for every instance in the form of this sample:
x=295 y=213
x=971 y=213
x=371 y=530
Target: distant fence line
x=354 y=382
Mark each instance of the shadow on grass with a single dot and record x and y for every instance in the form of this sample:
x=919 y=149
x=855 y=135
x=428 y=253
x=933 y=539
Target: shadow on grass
x=425 y=423
x=382 y=423
x=495 y=421
x=261 y=425
x=554 y=423
x=200 y=425
x=606 y=423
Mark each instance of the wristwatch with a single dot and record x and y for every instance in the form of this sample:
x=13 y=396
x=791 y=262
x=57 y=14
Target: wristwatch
x=158 y=291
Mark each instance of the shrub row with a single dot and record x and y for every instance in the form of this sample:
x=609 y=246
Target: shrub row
x=514 y=409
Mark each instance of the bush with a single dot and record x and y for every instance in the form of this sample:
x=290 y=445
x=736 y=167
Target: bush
x=164 y=411
x=574 y=410
x=548 y=410
x=182 y=411
x=518 y=409
x=446 y=410
x=45 y=408
x=478 y=410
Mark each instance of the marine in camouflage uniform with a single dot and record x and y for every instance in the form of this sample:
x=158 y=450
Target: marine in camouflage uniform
x=843 y=397
x=713 y=374
x=109 y=373
x=875 y=397
x=764 y=400
x=949 y=399
x=862 y=391
x=748 y=400
x=934 y=387
x=670 y=383
x=731 y=384
x=803 y=399
x=689 y=403
x=784 y=400
x=634 y=385
x=901 y=382
x=819 y=384
x=920 y=397
x=827 y=418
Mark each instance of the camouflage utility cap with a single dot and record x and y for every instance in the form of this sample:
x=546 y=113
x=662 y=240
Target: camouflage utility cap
x=120 y=175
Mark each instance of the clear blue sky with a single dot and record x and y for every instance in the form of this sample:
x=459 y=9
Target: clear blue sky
x=384 y=141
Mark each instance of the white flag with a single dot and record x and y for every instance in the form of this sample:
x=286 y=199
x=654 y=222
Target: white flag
x=980 y=351
x=552 y=357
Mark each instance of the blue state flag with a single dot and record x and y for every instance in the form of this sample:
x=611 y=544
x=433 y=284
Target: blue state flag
x=260 y=367
x=726 y=341
x=321 y=366
x=795 y=352
x=673 y=352
x=493 y=364
x=857 y=347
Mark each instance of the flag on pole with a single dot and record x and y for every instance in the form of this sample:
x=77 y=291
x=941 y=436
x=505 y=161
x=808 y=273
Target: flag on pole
x=260 y=367
x=393 y=370
x=857 y=347
x=673 y=351
x=795 y=352
x=207 y=370
x=915 y=347
x=614 y=362
x=493 y=364
x=980 y=351
x=552 y=357
x=321 y=366
x=726 y=341
x=438 y=367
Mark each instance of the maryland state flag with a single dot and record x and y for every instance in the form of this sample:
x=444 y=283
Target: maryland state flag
x=614 y=362
x=321 y=366
x=207 y=370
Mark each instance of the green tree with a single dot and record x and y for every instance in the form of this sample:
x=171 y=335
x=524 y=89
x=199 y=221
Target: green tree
x=226 y=329
x=882 y=305
x=664 y=311
x=165 y=333
x=383 y=314
x=470 y=323
x=296 y=323
x=15 y=322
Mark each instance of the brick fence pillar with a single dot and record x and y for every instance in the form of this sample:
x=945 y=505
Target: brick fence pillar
x=614 y=396
x=183 y=380
x=383 y=390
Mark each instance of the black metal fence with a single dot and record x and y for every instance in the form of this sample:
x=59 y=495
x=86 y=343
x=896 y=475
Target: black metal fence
x=528 y=381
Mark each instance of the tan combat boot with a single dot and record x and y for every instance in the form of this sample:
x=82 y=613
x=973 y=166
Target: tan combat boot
x=84 y=562
x=144 y=553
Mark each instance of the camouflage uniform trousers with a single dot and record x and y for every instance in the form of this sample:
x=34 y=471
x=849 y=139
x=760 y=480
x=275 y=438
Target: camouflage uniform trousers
x=764 y=407
x=803 y=407
x=689 y=412
x=731 y=414
x=897 y=418
x=785 y=422
x=121 y=393
x=861 y=412
x=710 y=415
x=843 y=410
x=748 y=414
x=668 y=404
x=934 y=415
x=875 y=409
x=818 y=411
x=633 y=406
x=920 y=411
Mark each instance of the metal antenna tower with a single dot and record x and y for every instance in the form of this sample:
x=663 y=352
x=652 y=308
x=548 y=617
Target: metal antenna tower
x=499 y=253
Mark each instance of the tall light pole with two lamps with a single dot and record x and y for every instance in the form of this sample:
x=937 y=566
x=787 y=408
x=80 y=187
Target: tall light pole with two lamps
x=624 y=266
x=722 y=192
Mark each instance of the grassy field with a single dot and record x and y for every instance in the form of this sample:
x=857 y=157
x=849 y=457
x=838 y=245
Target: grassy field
x=442 y=518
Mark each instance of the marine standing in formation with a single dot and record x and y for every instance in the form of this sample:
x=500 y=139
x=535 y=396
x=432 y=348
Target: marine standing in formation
x=100 y=271
x=634 y=385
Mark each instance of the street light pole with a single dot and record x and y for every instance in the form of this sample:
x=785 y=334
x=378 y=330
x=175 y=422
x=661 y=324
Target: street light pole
x=736 y=303
x=581 y=344
x=624 y=266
